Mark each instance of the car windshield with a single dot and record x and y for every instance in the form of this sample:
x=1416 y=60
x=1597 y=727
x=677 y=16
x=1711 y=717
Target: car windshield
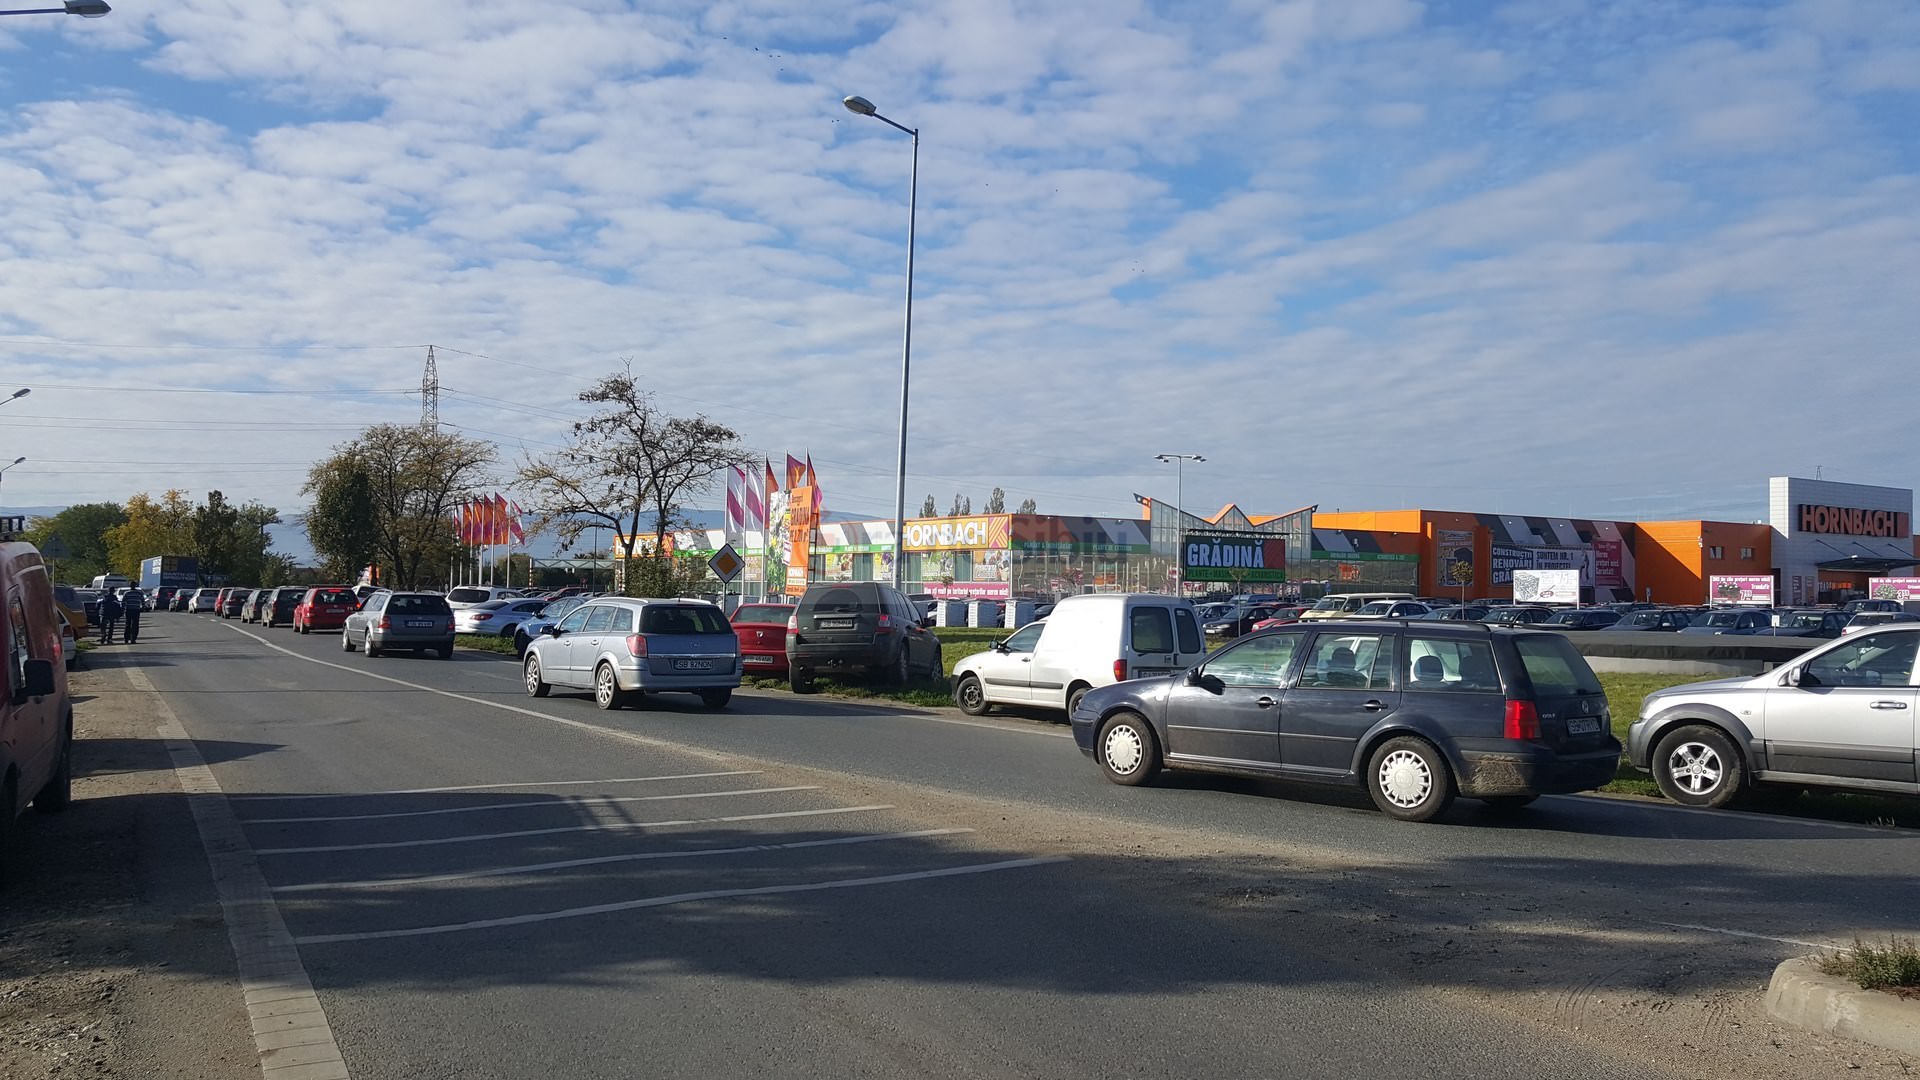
x=1330 y=603
x=491 y=605
x=1803 y=620
x=1718 y=618
x=559 y=608
x=1378 y=607
x=418 y=605
x=762 y=613
x=665 y=619
x=469 y=596
x=333 y=596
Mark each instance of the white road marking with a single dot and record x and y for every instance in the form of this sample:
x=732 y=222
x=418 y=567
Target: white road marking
x=490 y=787
x=591 y=800
x=682 y=898
x=273 y=982
x=645 y=856
x=608 y=827
x=1748 y=934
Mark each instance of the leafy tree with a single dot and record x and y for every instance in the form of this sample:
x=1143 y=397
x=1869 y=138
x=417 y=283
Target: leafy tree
x=83 y=530
x=997 y=502
x=954 y=510
x=929 y=508
x=152 y=527
x=277 y=569
x=341 y=524
x=416 y=479
x=629 y=466
x=1027 y=506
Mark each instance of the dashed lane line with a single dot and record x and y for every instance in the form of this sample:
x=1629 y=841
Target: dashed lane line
x=682 y=898
x=589 y=801
x=489 y=787
x=603 y=860
x=605 y=827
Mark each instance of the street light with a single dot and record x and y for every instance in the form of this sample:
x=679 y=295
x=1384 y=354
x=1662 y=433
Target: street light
x=16 y=395
x=86 y=9
x=862 y=106
x=4 y=468
x=1179 y=495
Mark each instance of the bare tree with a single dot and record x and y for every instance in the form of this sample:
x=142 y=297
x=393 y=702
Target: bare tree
x=628 y=466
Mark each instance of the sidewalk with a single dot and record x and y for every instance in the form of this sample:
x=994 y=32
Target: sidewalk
x=114 y=960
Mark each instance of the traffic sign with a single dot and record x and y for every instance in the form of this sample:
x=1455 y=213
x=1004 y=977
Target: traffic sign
x=54 y=548
x=727 y=563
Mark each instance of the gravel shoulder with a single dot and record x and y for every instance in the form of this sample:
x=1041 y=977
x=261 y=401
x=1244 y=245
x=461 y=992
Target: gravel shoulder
x=107 y=938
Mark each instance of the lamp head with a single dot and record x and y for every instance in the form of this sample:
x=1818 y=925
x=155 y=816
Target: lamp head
x=87 y=9
x=858 y=104
x=22 y=392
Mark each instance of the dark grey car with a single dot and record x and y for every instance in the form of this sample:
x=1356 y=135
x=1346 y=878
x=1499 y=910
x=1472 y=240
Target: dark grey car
x=401 y=620
x=860 y=628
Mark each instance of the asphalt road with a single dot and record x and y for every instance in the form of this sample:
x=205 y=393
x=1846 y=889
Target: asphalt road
x=483 y=884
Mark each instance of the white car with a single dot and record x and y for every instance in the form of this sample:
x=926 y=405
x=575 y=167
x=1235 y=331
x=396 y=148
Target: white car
x=466 y=596
x=496 y=617
x=1863 y=619
x=1088 y=641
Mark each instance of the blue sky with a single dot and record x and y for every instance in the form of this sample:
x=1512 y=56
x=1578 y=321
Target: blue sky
x=1546 y=256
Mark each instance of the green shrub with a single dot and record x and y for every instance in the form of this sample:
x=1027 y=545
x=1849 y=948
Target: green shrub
x=1875 y=967
x=485 y=642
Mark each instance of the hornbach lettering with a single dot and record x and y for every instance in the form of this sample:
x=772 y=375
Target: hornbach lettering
x=1852 y=521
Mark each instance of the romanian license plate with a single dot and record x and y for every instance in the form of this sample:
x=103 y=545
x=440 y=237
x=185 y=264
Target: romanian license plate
x=693 y=665
x=1582 y=725
x=420 y=624
x=757 y=659
x=835 y=624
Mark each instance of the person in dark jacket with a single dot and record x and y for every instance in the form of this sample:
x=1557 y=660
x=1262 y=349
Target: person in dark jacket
x=131 y=604
x=109 y=615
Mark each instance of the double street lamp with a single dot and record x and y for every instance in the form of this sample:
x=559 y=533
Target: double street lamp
x=862 y=106
x=86 y=9
x=1179 y=505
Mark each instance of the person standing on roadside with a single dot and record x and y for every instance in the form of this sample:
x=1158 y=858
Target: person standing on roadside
x=109 y=614
x=131 y=604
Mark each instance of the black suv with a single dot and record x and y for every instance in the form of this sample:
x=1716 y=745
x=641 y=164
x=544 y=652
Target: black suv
x=1415 y=712
x=859 y=628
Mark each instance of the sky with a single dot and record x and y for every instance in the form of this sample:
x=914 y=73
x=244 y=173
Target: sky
x=1615 y=260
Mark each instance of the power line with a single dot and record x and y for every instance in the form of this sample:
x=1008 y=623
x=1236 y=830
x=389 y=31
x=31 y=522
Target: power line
x=63 y=344
x=215 y=390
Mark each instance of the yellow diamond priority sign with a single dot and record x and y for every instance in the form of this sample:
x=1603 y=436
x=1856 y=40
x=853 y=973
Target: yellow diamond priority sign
x=727 y=563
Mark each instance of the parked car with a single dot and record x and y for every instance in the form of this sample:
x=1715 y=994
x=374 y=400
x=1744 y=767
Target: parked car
x=1861 y=620
x=1852 y=606
x=1280 y=616
x=1336 y=605
x=1090 y=641
x=1455 y=613
x=1809 y=623
x=182 y=600
x=1518 y=616
x=400 y=620
x=1839 y=716
x=324 y=607
x=1739 y=621
x=622 y=648
x=285 y=601
x=1581 y=619
x=1211 y=611
x=553 y=612
x=762 y=632
x=233 y=602
x=1391 y=609
x=36 y=715
x=499 y=618
x=1657 y=621
x=1237 y=621
x=1413 y=712
x=462 y=596
x=859 y=628
x=67 y=599
x=69 y=641
x=256 y=605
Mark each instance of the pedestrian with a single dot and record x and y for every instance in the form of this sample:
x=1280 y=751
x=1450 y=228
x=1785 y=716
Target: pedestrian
x=131 y=604
x=109 y=615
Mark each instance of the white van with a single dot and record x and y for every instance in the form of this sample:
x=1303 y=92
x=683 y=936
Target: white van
x=1088 y=641
x=1338 y=605
x=112 y=581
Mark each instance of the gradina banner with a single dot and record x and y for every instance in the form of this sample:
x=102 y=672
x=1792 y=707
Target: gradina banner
x=1234 y=558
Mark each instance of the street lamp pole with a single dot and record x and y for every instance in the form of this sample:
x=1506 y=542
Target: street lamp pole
x=1179 y=505
x=4 y=468
x=864 y=107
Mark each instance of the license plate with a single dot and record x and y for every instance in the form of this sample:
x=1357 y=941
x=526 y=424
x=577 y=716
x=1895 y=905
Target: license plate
x=1582 y=725
x=693 y=665
x=757 y=659
x=420 y=624
x=835 y=624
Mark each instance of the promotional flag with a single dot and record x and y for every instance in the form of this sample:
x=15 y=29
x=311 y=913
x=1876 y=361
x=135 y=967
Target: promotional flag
x=753 y=502
x=466 y=524
x=796 y=473
x=736 y=504
x=514 y=526
x=501 y=533
x=813 y=483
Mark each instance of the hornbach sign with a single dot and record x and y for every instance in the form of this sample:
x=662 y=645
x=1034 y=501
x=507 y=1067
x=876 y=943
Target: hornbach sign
x=1233 y=558
x=1851 y=521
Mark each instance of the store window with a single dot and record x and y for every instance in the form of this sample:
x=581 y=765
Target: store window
x=1716 y=552
x=863 y=567
x=963 y=566
x=1746 y=553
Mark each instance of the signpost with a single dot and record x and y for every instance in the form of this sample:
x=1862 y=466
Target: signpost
x=726 y=563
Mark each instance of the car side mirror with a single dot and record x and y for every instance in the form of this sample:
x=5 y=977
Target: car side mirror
x=36 y=680
x=1802 y=678
x=1196 y=677
x=554 y=630
x=1000 y=646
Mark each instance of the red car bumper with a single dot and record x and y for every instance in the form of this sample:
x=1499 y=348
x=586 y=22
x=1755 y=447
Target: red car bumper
x=762 y=651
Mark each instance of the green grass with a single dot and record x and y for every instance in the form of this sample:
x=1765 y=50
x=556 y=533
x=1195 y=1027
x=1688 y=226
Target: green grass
x=1625 y=690
x=493 y=643
x=1877 y=968
x=86 y=643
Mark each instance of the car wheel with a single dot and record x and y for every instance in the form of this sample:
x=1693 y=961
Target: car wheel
x=606 y=688
x=445 y=652
x=1129 y=752
x=902 y=673
x=1073 y=698
x=1409 y=780
x=537 y=685
x=1698 y=765
x=507 y=631
x=800 y=682
x=58 y=792
x=520 y=643
x=367 y=645
x=971 y=696
x=716 y=699
x=1508 y=804
x=346 y=641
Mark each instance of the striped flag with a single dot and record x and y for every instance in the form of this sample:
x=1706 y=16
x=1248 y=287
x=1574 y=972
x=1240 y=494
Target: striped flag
x=753 y=494
x=735 y=524
x=514 y=528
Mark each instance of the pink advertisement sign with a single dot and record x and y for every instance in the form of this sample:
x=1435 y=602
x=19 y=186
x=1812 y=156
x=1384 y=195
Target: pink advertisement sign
x=969 y=590
x=1740 y=589
x=1894 y=588
x=1608 y=563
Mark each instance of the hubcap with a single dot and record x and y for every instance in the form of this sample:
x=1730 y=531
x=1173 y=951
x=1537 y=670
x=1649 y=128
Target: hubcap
x=1125 y=749
x=970 y=694
x=1695 y=767
x=533 y=674
x=1405 y=779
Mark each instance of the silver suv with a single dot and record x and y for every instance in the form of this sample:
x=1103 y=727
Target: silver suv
x=623 y=649
x=1840 y=716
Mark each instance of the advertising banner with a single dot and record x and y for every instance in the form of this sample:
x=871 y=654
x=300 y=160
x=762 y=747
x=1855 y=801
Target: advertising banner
x=1894 y=588
x=1455 y=548
x=969 y=590
x=1609 y=563
x=1509 y=559
x=1546 y=586
x=1740 y=589
x=983 y=531
x=1234 y=558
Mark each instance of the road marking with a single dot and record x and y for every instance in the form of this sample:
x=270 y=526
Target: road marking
x=590 y=800
x=1748 y=934
x=608 y=827
x=273 y=982
x=682 y=898
x=645 y=856
x=490 y=787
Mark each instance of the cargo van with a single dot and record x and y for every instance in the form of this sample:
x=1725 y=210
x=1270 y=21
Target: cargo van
x=1338 y=605
x=112 y=581
x=1089 y=640
x=36 y=717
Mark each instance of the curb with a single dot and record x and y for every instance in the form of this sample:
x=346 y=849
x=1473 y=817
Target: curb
x=1801 y=995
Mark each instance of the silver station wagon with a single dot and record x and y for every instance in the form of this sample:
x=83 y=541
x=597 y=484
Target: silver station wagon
x=623 y=649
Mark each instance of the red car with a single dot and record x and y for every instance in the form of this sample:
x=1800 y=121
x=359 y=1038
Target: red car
x=1280 y=617
x=325 y=607
x=762 y=630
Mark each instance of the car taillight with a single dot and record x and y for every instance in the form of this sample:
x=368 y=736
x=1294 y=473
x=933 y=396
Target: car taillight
x=637 y=644
x=481 y=618
x=385 y=623
x=1523 y=720
x=885 y=626
x=1119 y=671
x=793 y=623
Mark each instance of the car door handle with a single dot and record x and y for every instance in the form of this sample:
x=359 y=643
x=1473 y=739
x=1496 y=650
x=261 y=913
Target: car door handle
x=1373 y=705
x=1889 y=704
x=1265 y=702
x=1026 y=659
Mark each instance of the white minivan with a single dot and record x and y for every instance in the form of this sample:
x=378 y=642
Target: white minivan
x=1088 y=641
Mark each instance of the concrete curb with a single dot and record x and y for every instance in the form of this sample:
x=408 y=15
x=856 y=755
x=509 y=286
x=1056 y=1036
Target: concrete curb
x=1801 y=995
